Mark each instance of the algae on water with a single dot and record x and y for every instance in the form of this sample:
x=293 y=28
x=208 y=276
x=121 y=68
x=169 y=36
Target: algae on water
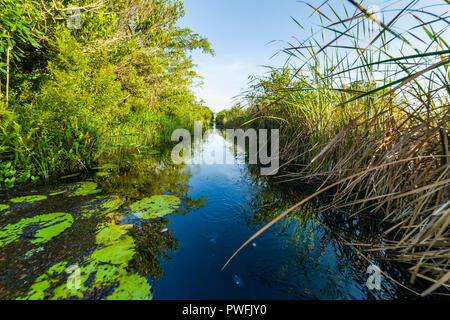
x=3 y=208
x=85 y=188
x=28 y=199
x=45 y=227
x=101 y=206
x=32 y=252
x=105 y=267
x=155 y=206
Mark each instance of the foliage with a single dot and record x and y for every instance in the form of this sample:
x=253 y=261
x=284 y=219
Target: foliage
x=233 y=117
x=118 y=84
x=17 y=27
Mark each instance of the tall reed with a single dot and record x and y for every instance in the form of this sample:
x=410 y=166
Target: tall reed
x=363 y=106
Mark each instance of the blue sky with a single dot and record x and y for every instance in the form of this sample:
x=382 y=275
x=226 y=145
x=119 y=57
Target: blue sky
x=245 y=34
x=239 y=31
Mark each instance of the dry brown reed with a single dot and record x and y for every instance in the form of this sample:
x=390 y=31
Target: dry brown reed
x=370 y=121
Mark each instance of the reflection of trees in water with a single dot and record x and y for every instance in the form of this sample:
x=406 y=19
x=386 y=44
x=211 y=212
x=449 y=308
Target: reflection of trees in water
x=144 y=176
x=148 y=175
x=314 y=229
x=152 y=246
x=353 y=235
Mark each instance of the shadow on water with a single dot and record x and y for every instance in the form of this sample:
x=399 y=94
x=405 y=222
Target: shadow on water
x=163 y=231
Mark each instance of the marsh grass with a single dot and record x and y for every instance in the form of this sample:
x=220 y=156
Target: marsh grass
x=365 y=109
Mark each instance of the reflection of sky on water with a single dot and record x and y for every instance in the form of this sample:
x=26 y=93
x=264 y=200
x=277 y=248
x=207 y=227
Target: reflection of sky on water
x=214 y=149
x=295 y=259
x=222 y=206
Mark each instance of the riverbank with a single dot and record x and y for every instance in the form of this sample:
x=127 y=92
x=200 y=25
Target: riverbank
x=169 y=228
x=71 y=94
x=374 y=125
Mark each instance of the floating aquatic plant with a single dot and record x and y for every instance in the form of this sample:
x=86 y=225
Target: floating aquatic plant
x=57 y=193
x=3 y=208
x=70 y=176
x=28 y=199
x=85 y=188
x=32 y=252
x=155 y=206
x=104 y=268
x=132 y=287
x=102 y=174
x=107 y=166
x=101 y=206
x=45 y=227
x=44 y=282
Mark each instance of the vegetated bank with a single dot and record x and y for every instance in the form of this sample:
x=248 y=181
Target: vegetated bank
x=364 y=104
x=110 y=82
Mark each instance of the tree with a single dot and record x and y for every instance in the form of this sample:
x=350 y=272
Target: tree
x=17 y=25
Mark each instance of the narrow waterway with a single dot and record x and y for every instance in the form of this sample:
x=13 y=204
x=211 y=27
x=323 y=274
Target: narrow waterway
x=164 y=231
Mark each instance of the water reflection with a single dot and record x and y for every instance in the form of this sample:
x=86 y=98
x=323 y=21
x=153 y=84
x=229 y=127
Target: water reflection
x=209 y=210
x=129 y=257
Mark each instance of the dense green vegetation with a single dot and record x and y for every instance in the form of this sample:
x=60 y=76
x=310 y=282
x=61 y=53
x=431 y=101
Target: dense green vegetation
x=363 y=108
x=69 y=94
x=234 y=117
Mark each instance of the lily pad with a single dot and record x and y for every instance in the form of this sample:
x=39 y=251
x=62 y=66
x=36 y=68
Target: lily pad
x=132 y=287
x=101 y=206
x=107 y=166
x=104 y=268
x=85 y=188
x=28 y=199
x=44 y=282
x=32 y=252
x=3 y=208
x=39 y=229
x=155 y=206
x=70 y=176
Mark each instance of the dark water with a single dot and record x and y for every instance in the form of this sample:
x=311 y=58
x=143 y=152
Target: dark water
x=180 y=255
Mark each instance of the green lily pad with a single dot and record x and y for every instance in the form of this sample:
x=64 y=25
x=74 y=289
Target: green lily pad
x=132 y=287
x=28 y=199
x=85 y=188
x=105 y=267
x=4 y=207
x=107 y=166
x=117 y=246
x=70 y=176
x=155 y=206
x=101 y=206
x=45 y=227
x=32 y=252
x=44 y=282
